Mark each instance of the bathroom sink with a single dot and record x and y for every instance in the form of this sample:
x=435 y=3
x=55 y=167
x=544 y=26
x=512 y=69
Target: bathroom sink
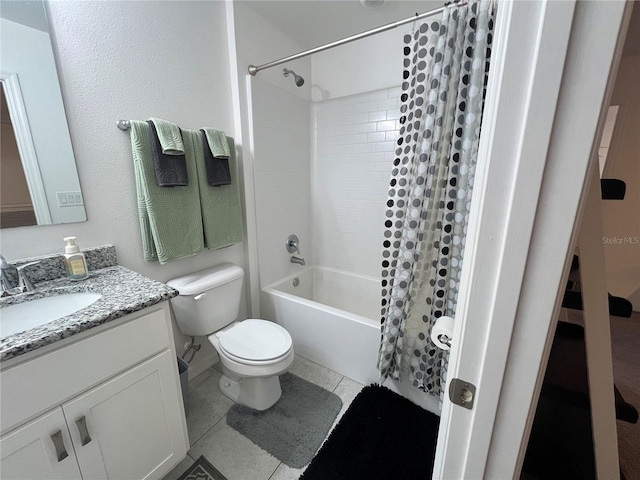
x=30 y=314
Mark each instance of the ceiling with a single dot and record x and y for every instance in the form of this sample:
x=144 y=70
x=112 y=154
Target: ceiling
x=315 y=22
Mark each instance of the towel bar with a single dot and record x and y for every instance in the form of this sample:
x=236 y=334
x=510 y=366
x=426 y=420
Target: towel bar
x=123 y=124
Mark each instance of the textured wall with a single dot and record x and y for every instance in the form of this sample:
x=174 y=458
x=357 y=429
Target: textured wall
x=132 y=60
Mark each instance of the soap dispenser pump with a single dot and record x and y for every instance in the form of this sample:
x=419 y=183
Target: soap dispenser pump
x=75 y=260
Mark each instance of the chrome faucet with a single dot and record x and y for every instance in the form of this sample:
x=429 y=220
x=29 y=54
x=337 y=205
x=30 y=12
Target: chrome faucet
x=292 y=244
x=5 y=281
x=298 y=260
x=24 y=284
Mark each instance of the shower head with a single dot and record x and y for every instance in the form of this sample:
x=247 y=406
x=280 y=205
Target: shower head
x=298 y=79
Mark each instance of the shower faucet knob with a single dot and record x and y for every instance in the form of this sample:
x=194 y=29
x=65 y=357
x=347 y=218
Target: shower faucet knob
x=292 y=244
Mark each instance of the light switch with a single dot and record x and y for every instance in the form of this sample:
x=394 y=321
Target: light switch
x=69 y=199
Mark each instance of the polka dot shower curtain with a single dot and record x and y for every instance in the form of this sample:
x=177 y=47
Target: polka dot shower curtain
x=446 y=64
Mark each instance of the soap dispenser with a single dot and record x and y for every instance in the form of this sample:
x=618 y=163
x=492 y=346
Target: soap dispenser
x=75 y=260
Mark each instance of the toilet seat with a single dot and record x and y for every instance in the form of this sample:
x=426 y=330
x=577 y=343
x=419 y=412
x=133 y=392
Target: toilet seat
x=255 y=342
x=253 y=363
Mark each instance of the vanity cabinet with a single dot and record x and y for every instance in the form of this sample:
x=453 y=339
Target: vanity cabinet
x=30 y=452
x=129 y=424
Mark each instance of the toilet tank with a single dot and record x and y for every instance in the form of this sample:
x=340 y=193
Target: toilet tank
x=209 y=299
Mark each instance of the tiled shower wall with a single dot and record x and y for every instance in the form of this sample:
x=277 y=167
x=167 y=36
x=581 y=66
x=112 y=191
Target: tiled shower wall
x=353 y=151
x=281 y=133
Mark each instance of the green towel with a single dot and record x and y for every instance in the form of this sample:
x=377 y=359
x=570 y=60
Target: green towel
x=170 y=218
x=218 y=143
x=169 y=136
x=221 y=212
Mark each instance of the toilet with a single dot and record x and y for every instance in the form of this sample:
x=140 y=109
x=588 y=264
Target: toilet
x=253 y=352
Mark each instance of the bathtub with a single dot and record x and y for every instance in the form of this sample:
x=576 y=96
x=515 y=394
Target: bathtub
x=333 y=318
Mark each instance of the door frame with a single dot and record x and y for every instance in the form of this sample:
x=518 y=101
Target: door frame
x=544 y=99
x=20 y=123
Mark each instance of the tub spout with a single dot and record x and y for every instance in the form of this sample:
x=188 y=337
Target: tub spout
x=298 y=260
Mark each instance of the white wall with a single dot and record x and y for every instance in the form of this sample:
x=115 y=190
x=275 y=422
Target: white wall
x=258 y=41
x=27 y=52
x=353 y=135
x=250 y=35
x=348 y=185
x=355 y=117
x=281 y=132
x=369 y=64
x=621 y=220
x=132 y=60
x=355 y=140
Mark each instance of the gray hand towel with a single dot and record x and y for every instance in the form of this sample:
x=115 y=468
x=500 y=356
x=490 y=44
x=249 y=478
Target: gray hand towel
x=218 y=172
x=170 y=170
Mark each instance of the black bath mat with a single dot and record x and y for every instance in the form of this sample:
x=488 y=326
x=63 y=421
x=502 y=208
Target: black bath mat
x=381 y=436
x=201 y=469
x=295 y=427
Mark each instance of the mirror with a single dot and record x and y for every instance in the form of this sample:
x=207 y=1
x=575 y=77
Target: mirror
x=39 y=180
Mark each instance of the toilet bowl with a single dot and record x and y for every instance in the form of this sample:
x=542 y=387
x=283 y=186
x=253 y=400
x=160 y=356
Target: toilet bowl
x=253 y=352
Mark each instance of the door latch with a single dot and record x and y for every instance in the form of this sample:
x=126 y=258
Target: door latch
x=462 y=393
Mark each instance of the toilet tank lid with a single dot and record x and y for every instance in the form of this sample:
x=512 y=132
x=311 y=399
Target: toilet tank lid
x=199 y=282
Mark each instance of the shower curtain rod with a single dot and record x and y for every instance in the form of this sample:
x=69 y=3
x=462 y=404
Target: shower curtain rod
x=390 y=26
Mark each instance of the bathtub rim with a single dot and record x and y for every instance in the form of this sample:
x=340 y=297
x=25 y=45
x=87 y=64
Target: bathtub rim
x=272 y=289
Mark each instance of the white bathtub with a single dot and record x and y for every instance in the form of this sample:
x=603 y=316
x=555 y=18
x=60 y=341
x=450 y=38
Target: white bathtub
x=333 y=318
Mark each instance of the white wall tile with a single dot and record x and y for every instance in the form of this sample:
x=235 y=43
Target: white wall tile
x=385 y=147
x=376 y=116
x=386 y=126
x=388 y=103
x=376 y=137
x=391 y=136
x=337 y=197
x=350 y=178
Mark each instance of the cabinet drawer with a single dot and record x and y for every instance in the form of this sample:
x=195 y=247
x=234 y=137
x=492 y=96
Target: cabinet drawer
x=36 y=385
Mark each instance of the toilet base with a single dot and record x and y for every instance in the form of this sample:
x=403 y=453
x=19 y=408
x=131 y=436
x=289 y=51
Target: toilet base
x=258 y=393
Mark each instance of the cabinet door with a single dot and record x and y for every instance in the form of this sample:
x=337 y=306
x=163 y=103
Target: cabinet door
x=41 y=449
x=131 y=426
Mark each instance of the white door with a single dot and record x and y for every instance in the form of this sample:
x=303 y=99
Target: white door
x=129 y=427
x=39 y=450
x=550 y=69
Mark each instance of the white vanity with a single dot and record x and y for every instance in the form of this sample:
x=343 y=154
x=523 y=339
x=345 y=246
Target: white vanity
x=102 y=402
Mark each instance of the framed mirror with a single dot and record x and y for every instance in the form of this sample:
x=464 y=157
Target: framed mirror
x=39 y=180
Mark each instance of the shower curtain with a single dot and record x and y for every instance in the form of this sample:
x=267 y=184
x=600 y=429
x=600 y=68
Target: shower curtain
x=446 y=65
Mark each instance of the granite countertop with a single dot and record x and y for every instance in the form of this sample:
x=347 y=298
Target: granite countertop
x=123 y=291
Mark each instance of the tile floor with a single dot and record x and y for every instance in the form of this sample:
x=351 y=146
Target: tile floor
x=234 y=455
